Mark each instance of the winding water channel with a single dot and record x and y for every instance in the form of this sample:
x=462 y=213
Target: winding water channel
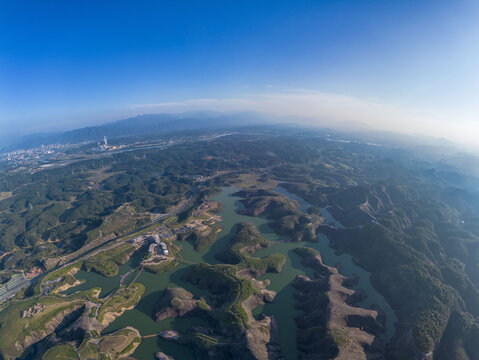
x=282 y=307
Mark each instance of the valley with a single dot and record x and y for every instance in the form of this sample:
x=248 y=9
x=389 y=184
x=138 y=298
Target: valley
x=291 y=259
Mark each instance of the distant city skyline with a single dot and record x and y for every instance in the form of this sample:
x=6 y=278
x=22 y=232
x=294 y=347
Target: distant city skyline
x=405 y=66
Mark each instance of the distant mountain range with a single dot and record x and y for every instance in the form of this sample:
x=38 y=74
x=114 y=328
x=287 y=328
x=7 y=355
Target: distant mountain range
x=152 y=124
x=446 y=153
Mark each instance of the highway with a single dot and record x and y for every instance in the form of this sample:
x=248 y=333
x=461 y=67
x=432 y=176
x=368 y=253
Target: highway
x=94 y=248
x=89 y=252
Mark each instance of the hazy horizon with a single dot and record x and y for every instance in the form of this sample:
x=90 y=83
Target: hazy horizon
x=235 y=180
x=66 y=66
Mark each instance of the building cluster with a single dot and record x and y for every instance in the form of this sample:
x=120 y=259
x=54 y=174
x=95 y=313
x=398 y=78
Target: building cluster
x=19 y=157
x=138 y=241
x=34 y=310
x=164 y=232
x=155 y=245
x=158 y=249
x=103 y=145
x=34 y=272
x=48 y=286
x=16 y=283
x=164 y=248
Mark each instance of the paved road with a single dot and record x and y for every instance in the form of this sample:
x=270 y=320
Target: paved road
x=93 y=248
x=96 y=248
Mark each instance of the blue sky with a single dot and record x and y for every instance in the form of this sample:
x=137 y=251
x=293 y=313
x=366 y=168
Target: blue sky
x=405 y=65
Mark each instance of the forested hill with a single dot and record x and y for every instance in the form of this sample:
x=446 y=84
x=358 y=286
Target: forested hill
x=413 y=226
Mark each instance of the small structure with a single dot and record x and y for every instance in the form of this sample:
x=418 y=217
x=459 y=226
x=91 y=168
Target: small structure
x=164 y=248
x=138 y=241
x=34 y=310
x=152 y=249
x=50 y=263
x=34 y=272
x=170 y=334
x=153 y=238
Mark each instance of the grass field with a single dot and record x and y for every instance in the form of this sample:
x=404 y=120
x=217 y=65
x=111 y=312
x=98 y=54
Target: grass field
x=88 y=350
x=124 y=297
x=61 y=352
x=246 y=181
x=120 y=343
x=14 y=329
x=106 y=262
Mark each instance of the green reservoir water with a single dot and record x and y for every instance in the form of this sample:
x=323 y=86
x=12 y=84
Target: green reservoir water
x=141 y=316
x=106 y=284
x=282 y=307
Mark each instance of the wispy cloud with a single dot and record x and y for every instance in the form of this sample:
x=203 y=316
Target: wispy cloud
x=321 y=107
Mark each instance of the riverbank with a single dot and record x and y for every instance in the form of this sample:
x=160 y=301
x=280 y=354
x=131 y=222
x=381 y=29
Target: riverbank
x=282 y=308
